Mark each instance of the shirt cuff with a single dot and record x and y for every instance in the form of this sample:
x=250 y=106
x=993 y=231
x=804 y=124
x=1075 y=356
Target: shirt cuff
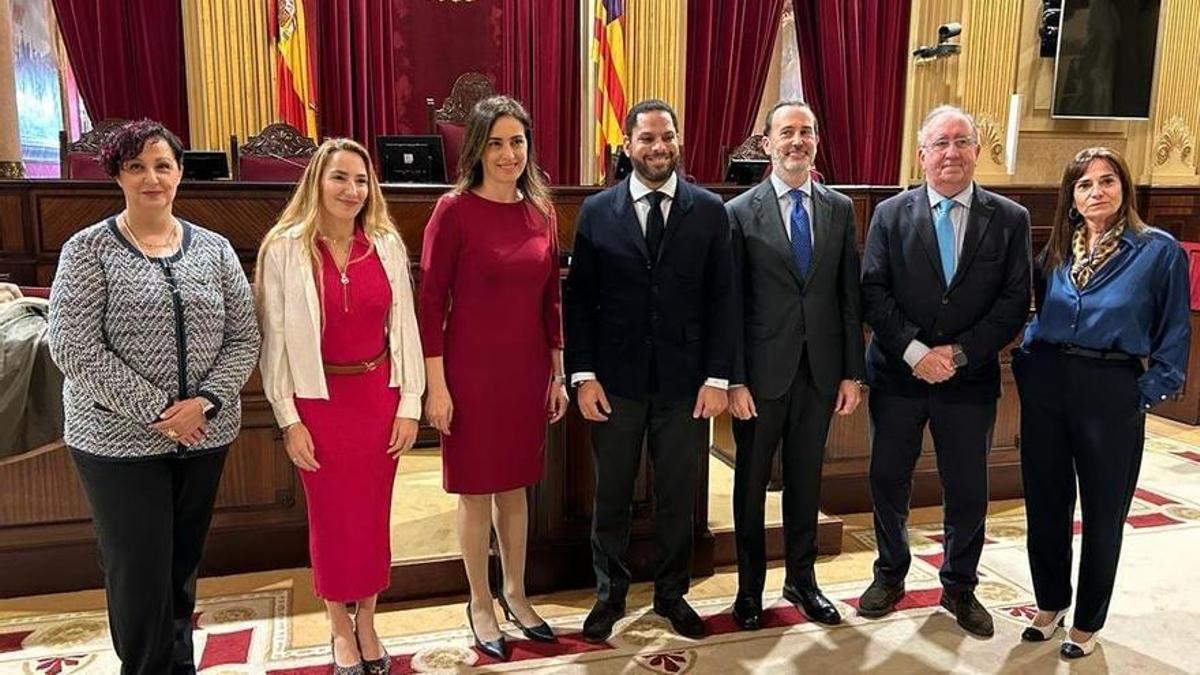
x=914 y=352
x=583 y=376
x=717 y=382
x=285 y=412
x=409 y=408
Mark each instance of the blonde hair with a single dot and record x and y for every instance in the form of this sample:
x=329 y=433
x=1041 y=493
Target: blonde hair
x=303 y=210
x=470 y=163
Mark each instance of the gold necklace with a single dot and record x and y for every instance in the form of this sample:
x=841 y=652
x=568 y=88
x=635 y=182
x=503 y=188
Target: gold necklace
x=342 y=268
x=171 y=238
x=168 y=276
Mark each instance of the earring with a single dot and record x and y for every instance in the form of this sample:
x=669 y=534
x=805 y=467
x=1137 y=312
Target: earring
x=1073 y=215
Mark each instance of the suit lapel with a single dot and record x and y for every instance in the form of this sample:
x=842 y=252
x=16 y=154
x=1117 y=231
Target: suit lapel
x=922 y=220
x=766 y=210
x=626 y=217
x=978 y=219
x=680 y=206
x=822 y=217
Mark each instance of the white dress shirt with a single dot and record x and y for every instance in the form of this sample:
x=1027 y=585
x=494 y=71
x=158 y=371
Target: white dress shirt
x=916 y=350
x=641 y=206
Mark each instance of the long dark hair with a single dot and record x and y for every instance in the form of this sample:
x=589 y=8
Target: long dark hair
x=470 y=163
x=1067 y=219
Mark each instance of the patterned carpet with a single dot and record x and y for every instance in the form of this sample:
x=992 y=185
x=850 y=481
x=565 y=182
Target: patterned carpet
x=270 y=623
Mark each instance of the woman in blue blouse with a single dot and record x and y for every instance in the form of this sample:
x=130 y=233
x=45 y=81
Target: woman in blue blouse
x=1112 y=295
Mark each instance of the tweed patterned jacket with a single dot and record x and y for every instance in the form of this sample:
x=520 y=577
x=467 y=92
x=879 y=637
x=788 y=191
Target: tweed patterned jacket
x=133 y=334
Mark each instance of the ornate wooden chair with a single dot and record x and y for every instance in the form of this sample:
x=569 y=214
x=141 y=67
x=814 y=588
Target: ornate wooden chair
x=81 y=159
x=449 y=121
x=278 y=154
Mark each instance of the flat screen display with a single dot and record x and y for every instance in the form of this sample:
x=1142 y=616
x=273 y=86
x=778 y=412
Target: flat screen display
x=1106 y=56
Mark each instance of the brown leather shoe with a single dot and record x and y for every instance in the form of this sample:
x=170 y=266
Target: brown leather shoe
x=879 y=599
x=972 y=616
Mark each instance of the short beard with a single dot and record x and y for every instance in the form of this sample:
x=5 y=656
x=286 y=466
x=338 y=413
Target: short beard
x=645 y=172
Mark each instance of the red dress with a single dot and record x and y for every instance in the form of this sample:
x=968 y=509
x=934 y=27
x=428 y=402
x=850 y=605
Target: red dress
x=350 y=496
x=490 y=307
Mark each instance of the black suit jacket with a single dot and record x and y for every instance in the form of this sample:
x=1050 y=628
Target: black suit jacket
x=905 y=298
x=624 y=313
x=777 y=313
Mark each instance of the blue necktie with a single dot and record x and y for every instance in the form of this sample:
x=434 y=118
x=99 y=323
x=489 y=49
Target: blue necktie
x=945 y=237
x=801 y=233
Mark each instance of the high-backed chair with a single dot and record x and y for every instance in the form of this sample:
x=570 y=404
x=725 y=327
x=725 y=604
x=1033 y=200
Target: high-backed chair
x=80 y=159
x=278 y=154
x=449 y=121
x=752 y=148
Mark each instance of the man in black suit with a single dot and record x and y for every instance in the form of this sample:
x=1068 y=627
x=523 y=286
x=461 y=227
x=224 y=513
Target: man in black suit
x=798 y=356
x=649 y=345
x=946 y=277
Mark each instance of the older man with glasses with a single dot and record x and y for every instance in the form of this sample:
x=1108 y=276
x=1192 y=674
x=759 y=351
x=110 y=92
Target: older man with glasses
x=946 y=282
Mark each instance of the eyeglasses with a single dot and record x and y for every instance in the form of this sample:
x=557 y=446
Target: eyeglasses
x=943 y=144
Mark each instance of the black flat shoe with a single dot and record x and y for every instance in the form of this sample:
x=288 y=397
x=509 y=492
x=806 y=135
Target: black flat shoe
x=598 y=625
x=540 y=632
x=497 y=649
x=684 y=620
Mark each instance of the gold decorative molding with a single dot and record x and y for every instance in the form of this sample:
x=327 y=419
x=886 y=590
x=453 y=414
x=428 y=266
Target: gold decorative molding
x=12 y=170
x=989 y=137
x=1175 y=136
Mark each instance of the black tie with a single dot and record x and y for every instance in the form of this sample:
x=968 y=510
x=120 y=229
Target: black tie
x=655 y=227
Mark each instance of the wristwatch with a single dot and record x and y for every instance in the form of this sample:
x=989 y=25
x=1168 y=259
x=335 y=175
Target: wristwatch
x=957 y=355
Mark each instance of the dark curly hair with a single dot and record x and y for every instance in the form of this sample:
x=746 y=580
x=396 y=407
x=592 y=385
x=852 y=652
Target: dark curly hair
x=127 y=142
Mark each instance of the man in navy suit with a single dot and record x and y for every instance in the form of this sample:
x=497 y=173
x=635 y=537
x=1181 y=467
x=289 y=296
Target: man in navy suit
x=649 y=344
x=945 y=281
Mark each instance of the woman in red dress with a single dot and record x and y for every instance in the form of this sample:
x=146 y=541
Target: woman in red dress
x=492 y=331
x=343 y=370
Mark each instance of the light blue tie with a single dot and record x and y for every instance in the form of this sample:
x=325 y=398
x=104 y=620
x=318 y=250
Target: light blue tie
x=945 y=237
x=801 y=231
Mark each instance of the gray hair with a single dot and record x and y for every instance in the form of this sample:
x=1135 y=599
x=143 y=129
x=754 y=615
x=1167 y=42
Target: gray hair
x=941 y=111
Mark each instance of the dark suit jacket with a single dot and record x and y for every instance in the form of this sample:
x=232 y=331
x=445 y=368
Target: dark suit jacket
x=779 y=314
x=904 y=297
x=620 y=310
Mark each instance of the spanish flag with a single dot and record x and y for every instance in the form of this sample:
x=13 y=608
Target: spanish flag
x=608 y=51
x=295 y=83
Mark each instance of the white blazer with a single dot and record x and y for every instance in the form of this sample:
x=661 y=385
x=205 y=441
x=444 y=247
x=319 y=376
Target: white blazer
x=291 y=327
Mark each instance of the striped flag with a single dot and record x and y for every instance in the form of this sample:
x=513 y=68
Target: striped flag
x=608 y=51
x=295 y=84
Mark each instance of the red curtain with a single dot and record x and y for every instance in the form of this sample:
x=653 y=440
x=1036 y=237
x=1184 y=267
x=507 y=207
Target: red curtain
x=128 y=59
x=852 y=62
x=729 y=49
x=541 y=69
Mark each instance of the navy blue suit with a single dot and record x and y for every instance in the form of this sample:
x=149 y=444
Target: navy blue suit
x=652 y=331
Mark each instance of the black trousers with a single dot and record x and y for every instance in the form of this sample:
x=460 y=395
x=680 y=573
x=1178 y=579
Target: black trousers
x=962 y=436
x=676 y=442
x=1080 y=420
x=796 y=424
x=151 y=518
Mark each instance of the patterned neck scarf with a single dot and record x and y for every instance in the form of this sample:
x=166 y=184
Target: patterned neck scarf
x=1084 y=265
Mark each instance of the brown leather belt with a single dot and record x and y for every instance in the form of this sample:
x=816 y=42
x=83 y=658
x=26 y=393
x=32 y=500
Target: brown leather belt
x=356 y=368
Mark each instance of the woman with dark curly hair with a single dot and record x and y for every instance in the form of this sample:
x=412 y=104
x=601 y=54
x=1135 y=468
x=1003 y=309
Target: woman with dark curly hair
x=153 y=326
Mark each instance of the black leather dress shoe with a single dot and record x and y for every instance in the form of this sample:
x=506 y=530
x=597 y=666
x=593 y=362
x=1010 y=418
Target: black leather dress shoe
x=879 y=599
x=747 y=613
x=972 y=616
x=684 y=620
x=813 y=603
x=497 y=649
x=599 y=622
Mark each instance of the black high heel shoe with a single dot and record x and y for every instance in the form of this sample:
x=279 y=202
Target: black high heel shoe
x=540 y=632
x=497 y=649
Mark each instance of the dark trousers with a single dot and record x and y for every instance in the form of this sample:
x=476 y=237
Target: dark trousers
x=151 y=518
x=676 y=442
x=796 y=424
x=962 y=436
x=1080 y=420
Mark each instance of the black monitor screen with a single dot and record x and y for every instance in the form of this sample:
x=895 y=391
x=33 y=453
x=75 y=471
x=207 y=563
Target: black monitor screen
x=746 y=171
x=205 y=165
x=411 y=159
x=1106 y=52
